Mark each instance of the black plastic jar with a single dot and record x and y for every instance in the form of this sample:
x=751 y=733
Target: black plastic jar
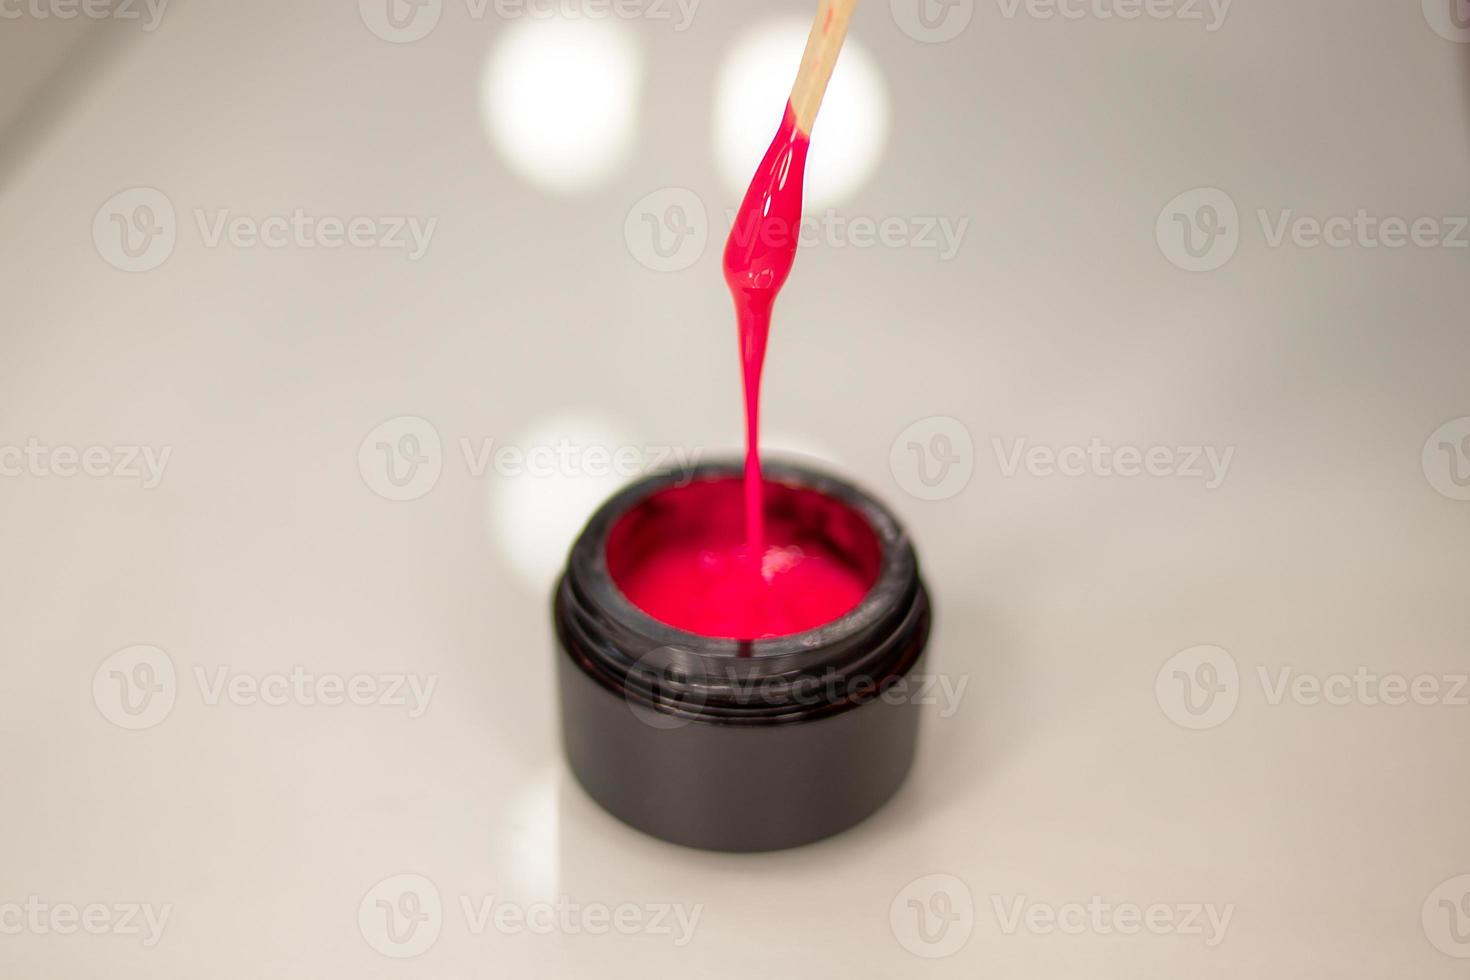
x=742 y=745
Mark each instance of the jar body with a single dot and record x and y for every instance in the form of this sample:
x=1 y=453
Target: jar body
x=740 y=745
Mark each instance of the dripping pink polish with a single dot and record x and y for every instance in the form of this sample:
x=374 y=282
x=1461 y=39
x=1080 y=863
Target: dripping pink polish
x=758 y=257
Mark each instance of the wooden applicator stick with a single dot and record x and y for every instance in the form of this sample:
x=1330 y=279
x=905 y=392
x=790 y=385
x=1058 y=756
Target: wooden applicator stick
x=823 y=45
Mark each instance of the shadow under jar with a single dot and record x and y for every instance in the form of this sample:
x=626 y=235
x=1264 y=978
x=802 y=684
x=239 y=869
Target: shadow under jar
x=730 y=744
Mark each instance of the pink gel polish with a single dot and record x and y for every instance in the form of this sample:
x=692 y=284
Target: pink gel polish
x=724 y=573
x=681 y=558
x=679 y=728
x=731 y=640
x=720 y=576
x=758 y=258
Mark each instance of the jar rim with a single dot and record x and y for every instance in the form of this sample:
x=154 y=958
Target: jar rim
x=896 y=562
x=716 y=677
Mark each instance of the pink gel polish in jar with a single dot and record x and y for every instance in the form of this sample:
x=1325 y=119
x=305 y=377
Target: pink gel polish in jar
x=683 y=557
x=707 y=717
